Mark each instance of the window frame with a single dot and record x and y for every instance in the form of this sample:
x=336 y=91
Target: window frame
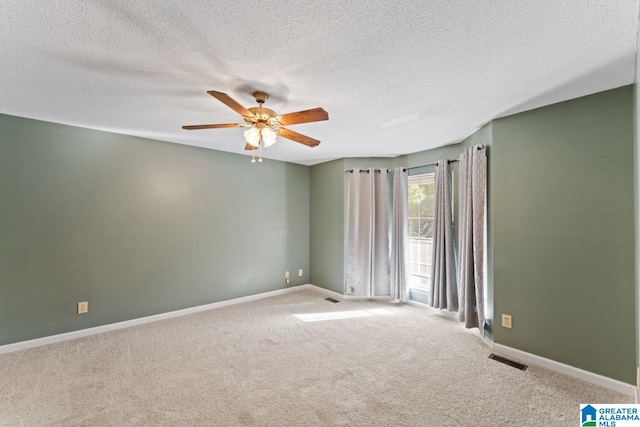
x=420 y=178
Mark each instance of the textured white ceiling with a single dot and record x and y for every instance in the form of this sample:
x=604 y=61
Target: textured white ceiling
x=395 y=76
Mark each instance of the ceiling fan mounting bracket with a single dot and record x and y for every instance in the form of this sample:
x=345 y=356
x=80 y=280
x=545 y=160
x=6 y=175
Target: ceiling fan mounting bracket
x=260 y=96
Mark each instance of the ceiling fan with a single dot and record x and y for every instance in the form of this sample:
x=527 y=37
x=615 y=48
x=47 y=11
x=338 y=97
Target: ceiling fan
x=264 y=124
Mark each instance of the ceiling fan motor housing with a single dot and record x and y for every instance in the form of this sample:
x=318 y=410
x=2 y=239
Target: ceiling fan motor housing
x=262 y=115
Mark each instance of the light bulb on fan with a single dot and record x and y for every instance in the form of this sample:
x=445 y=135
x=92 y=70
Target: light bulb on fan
x=268 y=136
x=252 y=136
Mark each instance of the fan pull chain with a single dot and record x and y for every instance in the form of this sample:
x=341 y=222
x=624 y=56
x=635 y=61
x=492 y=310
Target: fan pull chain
x=253 y=156
x=260 y=159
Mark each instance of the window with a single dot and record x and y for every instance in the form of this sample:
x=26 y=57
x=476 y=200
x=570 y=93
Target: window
x=421 y=214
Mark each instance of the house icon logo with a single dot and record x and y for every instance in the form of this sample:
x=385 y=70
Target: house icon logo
x=588 y=416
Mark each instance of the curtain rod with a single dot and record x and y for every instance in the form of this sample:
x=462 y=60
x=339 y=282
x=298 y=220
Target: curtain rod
x=404 y=170
x=366 y=170
x=428 y=164
x=480 y=147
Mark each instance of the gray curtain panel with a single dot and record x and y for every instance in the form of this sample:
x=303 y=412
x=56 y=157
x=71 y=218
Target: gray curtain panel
x=368 y=263
x=443 y=265
x=471 y=231
x=381 y=271
x=400 y=236
x=360 y=233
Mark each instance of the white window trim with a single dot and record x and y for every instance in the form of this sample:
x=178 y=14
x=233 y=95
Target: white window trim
x=419 y=288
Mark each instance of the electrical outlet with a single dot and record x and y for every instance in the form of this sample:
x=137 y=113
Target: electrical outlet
x=300 y=272
x=506 y=321
x=83 y=307
x=286 y=274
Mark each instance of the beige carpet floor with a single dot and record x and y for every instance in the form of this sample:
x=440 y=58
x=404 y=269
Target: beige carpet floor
x=291 y=360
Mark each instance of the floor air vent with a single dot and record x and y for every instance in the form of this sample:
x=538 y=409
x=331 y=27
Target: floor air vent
x=331 y=300
x=506 y=361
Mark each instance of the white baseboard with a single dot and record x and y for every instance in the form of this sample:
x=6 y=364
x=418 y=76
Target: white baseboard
x=486 y=340
x=335 y=294
x=23 y=345
x=590 y=377
x=327 y=292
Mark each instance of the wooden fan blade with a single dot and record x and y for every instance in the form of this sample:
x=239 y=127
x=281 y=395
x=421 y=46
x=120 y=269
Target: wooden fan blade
x=226 y=125
x=306 y=116
x=298 y=137
x=230 y=102
x=250 y=147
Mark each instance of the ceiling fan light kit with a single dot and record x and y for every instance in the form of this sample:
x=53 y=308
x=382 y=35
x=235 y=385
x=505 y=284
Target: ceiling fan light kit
x=260 y=132
x=264 y=124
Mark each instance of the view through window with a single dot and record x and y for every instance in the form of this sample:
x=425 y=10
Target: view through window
x=421 y=213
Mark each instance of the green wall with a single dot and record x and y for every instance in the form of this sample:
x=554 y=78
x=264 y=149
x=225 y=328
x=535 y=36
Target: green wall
x=563 y=241
x=327 y=225
x=137 y=227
